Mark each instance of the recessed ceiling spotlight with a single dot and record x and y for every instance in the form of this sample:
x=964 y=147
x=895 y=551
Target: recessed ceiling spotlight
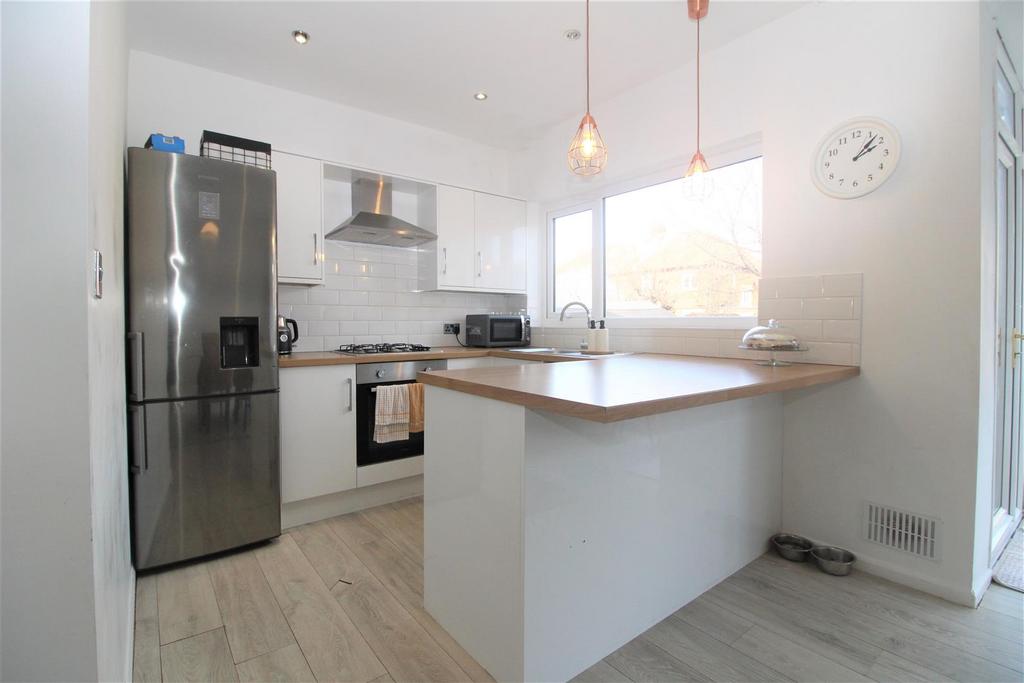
x=301 y=37
x=480 y=96
x=572 y=34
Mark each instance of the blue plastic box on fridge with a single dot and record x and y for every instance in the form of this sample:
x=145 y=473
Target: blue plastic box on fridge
x=166 y=143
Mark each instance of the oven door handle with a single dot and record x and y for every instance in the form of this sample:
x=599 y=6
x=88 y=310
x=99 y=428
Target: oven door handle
x=350 y=383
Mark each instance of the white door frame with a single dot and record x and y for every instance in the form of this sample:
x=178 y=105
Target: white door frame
x=1006 y=461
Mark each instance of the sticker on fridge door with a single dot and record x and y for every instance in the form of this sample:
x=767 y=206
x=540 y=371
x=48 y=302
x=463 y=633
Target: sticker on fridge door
x=209 y=205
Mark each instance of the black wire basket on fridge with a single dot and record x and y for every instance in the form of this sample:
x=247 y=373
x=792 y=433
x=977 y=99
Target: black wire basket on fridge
x=235 y=149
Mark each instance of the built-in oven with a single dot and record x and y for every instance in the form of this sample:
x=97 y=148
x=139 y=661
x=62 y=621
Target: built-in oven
x=498 y=329
x=369 y=376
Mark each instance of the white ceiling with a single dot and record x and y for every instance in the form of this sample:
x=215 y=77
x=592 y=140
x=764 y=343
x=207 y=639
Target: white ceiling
x=422 y=61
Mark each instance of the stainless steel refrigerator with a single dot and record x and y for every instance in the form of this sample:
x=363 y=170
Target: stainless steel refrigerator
x=202 y=362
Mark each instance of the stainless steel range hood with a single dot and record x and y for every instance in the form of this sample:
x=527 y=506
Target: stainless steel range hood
x=372 y=221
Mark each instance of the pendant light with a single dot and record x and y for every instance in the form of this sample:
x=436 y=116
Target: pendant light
x=587 y=152
x=698 y=183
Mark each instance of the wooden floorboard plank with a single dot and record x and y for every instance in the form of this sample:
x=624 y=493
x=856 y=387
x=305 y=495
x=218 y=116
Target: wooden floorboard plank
x=186 y=602
x=994 y=623
x=822 y=588
x=398 y=529
x=329 y=640
x=146 y=659
x=709 y=656
x=253 y=621
x=202 y=658
x=287 y=665
x=792 y=659
x=1003 y=600
x=403 y=577
x=403 y=646
x=818 y=635
x=642 y=661
x=714 y=620
x=602 y=672
x=889 y=667
x=406 y=649
x=853 y=626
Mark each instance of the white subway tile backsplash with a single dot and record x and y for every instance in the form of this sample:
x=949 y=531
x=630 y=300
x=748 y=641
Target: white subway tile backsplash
x=781 y=309
x=367 y=313
x=354 y=327
x=798 y=287
x=841 y=330
x=320 y=295
x=800 y=303
x=829 y=308
x=369 y=295
x=323 y=327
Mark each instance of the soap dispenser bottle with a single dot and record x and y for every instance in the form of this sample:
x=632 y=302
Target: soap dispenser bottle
x=601 y=338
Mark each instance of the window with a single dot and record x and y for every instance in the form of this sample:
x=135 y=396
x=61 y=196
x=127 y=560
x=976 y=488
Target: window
x=573 y=259
x=661 y=254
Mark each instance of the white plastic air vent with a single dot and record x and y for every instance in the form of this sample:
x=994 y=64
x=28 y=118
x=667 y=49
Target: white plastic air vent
x=907 y=532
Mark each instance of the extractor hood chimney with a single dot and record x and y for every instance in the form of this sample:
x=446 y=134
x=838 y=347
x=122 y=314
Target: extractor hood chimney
x=372 y=222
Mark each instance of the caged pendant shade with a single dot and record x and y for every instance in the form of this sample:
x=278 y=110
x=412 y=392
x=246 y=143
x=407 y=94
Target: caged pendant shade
x=587 y=151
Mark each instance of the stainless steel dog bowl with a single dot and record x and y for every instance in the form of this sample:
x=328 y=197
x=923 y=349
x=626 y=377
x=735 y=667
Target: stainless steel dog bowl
x=793 y=548
x=832 y=560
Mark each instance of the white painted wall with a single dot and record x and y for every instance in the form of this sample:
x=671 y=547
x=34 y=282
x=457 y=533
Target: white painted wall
x=180 y=99
x=906 y=432
x=66 y=581
x=49 y=621
x=114 y=577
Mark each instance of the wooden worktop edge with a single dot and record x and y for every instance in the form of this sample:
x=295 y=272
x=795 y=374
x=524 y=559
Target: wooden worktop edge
x=595 y=413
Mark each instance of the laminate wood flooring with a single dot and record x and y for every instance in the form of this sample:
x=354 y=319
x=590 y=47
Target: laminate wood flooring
x=342 y=600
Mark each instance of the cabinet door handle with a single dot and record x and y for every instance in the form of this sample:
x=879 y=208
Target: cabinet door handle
x=316 y=255
x=444 y=267
x=138 y=385
x=480 y=264
x=140 y=459
x=348 y=380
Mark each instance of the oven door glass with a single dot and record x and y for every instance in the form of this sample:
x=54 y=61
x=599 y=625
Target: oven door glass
x=506 y=330
x=368 y=451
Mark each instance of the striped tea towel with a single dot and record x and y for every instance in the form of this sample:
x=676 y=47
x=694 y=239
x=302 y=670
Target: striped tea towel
x=391 y=421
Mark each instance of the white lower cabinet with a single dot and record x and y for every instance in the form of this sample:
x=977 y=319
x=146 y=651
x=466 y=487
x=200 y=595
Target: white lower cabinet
x=318 y=431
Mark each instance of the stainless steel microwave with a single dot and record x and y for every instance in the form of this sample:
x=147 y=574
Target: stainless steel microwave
x=497 y=329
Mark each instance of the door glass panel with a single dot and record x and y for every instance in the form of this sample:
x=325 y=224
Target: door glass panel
x=1005 y=109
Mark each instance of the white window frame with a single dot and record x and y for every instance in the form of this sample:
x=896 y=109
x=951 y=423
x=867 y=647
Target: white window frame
x=726 y=155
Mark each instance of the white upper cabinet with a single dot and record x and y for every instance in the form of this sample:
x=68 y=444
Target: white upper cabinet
x=500 y=243
x=481 y=242
x=455 y=237
x=300 y=234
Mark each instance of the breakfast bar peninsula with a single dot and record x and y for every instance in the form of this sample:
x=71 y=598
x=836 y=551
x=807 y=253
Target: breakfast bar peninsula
x=570 y=506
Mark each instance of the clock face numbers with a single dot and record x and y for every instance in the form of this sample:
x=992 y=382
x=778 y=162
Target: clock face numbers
x=855 y=159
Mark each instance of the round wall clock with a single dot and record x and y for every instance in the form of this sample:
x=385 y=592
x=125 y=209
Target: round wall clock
x=856 y=157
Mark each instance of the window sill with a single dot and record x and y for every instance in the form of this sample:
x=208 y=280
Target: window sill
x=711 y=324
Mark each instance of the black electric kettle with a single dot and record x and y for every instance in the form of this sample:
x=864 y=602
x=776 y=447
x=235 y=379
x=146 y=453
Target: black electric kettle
x=285 y=336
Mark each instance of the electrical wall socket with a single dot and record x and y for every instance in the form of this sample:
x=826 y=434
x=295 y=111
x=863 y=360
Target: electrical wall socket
x=452 y=328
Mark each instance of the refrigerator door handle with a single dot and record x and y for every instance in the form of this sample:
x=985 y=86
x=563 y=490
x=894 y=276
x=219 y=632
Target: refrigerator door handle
x=138 y=380
x=140 y=459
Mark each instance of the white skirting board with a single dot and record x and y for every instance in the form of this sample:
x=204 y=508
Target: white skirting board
x=552 y=541
x=323 y=507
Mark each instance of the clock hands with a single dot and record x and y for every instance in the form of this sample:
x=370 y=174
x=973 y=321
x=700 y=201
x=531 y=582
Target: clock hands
x=866 y=148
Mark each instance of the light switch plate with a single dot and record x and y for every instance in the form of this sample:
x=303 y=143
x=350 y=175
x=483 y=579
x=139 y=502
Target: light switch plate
x=97 y=271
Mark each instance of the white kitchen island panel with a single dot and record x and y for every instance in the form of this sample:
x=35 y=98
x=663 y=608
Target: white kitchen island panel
x=550 y=541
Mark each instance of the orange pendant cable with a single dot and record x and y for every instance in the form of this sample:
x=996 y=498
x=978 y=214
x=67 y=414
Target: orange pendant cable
x=587 y=151
x=697 y=9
